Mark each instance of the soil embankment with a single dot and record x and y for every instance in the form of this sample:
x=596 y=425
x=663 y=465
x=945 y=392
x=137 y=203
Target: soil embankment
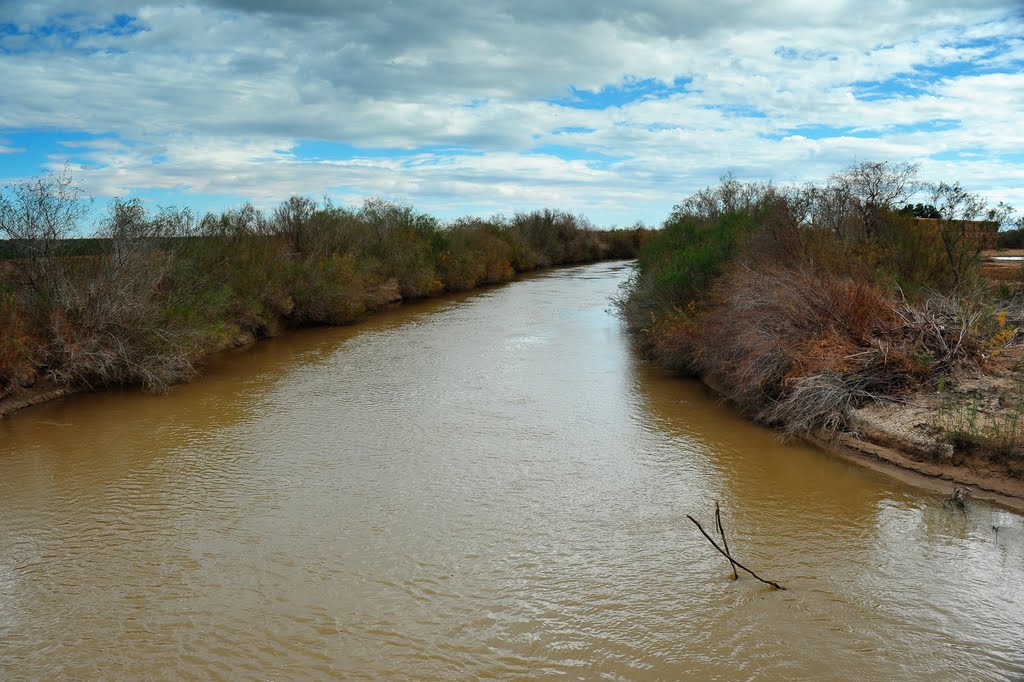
x=883 y=445
x=904 y=442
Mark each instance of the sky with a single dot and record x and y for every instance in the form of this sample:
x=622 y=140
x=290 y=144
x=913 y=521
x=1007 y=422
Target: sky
x=612 y=109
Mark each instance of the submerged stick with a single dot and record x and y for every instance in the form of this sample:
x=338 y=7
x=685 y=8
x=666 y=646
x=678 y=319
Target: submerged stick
x=729 y=557
x=725 y=543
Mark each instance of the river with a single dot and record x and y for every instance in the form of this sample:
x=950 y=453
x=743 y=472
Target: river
x=488 y=486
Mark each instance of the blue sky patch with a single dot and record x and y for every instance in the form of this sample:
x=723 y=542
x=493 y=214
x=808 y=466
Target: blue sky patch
x=784 y=52
x=42 y=148
x=930 y=74
x=974 y=154
x=957 y=155
x=737 y=110
x=895 y=88
x=923 y=77
x=936 y=125
x=67 y=31
x=573 y=130
x=620 y=95
x=123 y=25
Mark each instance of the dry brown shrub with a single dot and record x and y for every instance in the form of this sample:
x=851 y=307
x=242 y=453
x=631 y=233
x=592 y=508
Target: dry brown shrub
x=799 y=348
x=18 y=340
x=674 y=340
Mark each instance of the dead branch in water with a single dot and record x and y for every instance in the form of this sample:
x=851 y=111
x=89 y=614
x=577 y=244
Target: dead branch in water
x=725 y=543
x=725 y=553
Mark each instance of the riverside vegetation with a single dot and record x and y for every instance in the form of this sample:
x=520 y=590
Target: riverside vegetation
x=810 y=306
x=154 y=294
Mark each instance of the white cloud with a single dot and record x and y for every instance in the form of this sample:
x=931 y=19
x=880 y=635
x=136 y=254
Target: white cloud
x=221 y=92
x=6 y=148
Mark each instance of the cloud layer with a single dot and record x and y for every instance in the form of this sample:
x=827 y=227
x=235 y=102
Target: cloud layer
x=615 y=111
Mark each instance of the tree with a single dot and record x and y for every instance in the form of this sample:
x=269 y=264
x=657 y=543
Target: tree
x=920 y=210
x=36 y=216
x=872 y=189
x=966 y=224
x=293 y=220
x=1013 y=236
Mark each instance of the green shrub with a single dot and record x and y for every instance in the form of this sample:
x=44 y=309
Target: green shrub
x=328 y=290
x=689 y=253
x=675 y=270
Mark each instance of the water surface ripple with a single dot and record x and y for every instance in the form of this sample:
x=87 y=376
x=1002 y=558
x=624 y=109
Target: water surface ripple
x=489 y=486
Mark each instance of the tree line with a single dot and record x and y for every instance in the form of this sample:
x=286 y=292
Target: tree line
x=153 y=294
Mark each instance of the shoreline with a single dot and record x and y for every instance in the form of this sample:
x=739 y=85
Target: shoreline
x=889 y=453
x=41 y=392
x=44 y=389
x=940 y=478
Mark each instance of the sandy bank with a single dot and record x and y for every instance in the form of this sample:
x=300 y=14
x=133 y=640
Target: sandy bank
x=942 y=478
x=900 y=440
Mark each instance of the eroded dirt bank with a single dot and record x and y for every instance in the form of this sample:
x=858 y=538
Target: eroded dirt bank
x=904 y=440
x=943 y=478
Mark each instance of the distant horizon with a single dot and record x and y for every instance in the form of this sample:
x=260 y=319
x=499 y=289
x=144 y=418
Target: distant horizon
x=612 y=112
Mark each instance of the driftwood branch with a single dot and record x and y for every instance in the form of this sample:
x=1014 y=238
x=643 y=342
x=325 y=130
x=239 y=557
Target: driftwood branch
x=728 y=556
x=725 y=543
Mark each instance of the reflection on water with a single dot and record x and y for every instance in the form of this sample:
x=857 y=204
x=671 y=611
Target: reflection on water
x=486 y=486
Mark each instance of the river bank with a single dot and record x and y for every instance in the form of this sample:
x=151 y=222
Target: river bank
x=942 y=478
x=962 y=436
x=29 y=387
x=914 y=435
x=20 y=397
x=901 y=440
x=822 y=311
x=153 y=295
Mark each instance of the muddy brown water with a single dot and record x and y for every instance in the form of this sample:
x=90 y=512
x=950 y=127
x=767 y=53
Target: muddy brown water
x=485 y=487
